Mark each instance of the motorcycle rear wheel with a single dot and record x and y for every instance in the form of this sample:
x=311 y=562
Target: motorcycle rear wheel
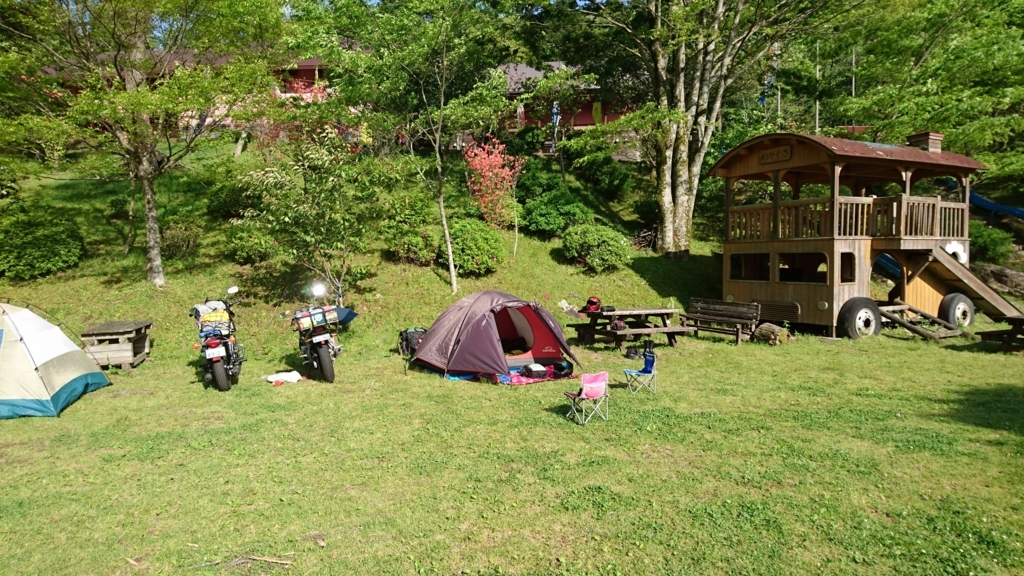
x=326 y=362
x=220 y=377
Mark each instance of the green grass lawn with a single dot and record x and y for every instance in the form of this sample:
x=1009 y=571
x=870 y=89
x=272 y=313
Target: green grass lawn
x=884 y=455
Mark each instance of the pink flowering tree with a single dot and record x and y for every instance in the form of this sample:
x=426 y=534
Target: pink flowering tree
x=493 y=174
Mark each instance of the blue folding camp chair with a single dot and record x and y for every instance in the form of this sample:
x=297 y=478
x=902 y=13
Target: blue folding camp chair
x=645 y=378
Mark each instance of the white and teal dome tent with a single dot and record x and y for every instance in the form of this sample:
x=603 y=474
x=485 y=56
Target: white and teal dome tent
x=41 y=370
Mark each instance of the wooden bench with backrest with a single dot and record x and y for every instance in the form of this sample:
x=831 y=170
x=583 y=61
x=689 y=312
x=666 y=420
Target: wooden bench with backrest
x=711 y=315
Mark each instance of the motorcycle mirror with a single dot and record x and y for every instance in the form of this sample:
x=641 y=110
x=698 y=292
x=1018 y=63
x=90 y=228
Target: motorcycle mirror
x=233 y=290
x=319 y=290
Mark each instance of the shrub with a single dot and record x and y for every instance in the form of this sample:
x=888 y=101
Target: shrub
x=117 y=207
x=492 y=180
x=537 y=180
x=406 y=231
x=551 y=213
x=476 y=248
x=526 y=141
x=418 y=247
x=181 y=238
x=607 y=177
x=648 y=211
x=230 y=199
x=36 y=245
x=248 y=243
x=596 y=248
x=989 y=244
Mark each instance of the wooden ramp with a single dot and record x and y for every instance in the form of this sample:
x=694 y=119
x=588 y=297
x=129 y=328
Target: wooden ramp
x=920 y=322
x=960 y=277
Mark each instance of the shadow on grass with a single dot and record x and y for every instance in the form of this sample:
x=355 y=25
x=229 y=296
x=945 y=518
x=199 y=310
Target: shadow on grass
x=998 y=407
x=696 y=277
x=989 y=347
x=293 y=361
x=275 y=281
x=559 y=410
x=198 y=363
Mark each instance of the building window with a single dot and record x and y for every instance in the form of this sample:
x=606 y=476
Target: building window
x=847 y=267
x=753 y=267
x=807 y=267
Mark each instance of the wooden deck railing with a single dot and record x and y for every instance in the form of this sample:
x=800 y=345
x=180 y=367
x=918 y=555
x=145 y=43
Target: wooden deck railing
x=887 y=217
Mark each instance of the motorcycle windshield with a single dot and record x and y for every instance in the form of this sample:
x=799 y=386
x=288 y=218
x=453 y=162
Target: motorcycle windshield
x=345 y=315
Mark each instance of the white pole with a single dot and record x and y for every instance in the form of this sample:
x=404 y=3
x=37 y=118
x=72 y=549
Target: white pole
x=853 y=124
x=817 y=78
x=854 y=73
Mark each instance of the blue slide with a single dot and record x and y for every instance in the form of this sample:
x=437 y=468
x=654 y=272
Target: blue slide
x=985 y=204
x=890 y=265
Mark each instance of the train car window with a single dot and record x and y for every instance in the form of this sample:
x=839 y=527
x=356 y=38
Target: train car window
x=806 y=267
x=751 y=267
x=847 y=267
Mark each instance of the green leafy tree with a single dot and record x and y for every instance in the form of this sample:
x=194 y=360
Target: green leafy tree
x=321 y=202
x=954 y=67
x=570 y=88
x=419 y=70
x=681 y=58
x=143 y=81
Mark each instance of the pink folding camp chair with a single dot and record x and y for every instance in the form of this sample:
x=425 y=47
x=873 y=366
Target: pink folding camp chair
x=591 y=399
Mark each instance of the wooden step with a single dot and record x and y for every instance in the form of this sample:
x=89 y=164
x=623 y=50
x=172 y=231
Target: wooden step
x=939 y=321
x=911 y=327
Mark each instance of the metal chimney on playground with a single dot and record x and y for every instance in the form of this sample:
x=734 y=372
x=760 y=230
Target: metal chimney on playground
x=928 y=141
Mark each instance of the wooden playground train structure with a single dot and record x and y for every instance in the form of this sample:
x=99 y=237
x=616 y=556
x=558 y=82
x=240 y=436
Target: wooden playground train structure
x=809 y=260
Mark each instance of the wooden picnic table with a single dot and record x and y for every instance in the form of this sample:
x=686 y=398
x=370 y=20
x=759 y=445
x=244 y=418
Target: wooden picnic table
x=1014 y=337
x=121 y=342
x=639 y=321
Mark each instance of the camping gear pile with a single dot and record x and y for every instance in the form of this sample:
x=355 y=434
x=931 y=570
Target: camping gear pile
x=223 y=353
x=41 y=370
x=493 y=335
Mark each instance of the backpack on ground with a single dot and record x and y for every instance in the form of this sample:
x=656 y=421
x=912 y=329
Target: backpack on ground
x=409 y=340
x=563 y=370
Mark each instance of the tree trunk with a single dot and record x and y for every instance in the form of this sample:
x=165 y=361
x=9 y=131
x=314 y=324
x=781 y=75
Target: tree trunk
x=240 y=145
x=515 y=220
x=683 y=222
x=447 y=240
x=666 y=197
x=154 y=264
x=130 y=235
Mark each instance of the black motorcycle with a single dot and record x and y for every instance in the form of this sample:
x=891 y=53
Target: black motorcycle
x=224 y=355
x=317 y=326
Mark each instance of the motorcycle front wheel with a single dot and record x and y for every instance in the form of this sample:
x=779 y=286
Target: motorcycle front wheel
x=323 y=354
x=220 y=377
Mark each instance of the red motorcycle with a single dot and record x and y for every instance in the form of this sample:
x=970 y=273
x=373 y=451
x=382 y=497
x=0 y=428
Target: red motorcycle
x=317 y=326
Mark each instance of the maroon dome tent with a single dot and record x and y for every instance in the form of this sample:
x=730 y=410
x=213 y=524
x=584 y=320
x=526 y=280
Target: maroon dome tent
x=472 y=335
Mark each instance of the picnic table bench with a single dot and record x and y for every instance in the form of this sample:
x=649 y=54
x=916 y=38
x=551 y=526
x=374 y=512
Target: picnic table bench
x=710 y=315
x=122 y=342
x=639 y=321
x=1012 y=338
